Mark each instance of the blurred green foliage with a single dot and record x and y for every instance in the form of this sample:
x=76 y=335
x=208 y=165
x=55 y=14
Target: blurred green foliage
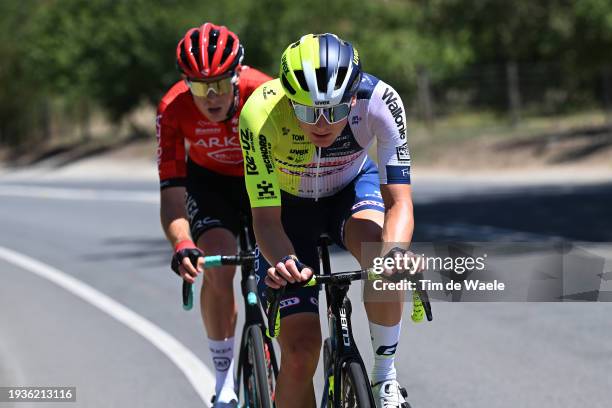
x=117 y=55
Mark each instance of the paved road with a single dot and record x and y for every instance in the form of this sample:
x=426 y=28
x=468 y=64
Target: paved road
x=472 y=355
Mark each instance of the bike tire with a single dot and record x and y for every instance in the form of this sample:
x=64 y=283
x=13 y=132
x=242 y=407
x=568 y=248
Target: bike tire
x=327 y=397
x=256 y=381
x=355 y=390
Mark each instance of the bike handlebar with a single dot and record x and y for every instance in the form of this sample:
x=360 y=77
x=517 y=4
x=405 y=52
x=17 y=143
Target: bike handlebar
x=211 y=262
x=420 y=299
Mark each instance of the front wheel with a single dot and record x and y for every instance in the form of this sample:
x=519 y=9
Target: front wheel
x=258 y=386
x=355 y=389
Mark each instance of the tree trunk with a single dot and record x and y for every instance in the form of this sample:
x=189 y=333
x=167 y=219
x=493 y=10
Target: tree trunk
x=514 y=93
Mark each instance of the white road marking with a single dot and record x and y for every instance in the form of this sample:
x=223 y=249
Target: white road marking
x=200 y=377
x=79 y=194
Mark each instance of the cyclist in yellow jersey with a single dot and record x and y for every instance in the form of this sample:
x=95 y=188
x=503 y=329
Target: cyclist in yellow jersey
x=305 y=138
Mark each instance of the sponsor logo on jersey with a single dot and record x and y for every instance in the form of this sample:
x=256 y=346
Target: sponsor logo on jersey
x=159 y=156
x=355 y=120
x=246 y=139
x=230 y=155
x=394 y=106
x=292 y=301
x=309 y=191
x=209 y=131
x=267 y=92
x=158 y=125
x=218 y=142
x=299 y=152
x=266 y=151
x=312 y=172
x=265 y=190
x=403 y=154
x=344 y=145
x=398 y=174
x=158 y=134
x=324 y=163
x=251 y=167
x=297 y=138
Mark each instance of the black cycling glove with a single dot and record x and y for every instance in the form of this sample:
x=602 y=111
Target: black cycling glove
x=185 y=249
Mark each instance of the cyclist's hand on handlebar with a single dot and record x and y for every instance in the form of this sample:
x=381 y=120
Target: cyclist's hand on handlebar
x=287 y=270
x=405 y=263
x=187 y=261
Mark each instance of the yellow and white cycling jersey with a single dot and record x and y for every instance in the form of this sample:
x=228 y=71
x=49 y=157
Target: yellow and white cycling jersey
x=279 y=156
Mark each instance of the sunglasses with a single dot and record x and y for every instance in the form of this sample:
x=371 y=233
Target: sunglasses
x=202 y=89
x=311 y=115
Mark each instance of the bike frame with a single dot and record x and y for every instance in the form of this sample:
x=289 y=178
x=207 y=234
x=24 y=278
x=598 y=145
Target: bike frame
x=343 y=346
x=253 y=315
x=340 y=350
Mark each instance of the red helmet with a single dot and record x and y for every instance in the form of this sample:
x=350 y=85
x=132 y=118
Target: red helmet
x=208 y=51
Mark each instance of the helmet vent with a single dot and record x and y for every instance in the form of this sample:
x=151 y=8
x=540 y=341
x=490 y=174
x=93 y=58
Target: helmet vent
x=228 y=49
x=212 y=43
x=340 y=77
x=287 y=85
x=195 y=47
x=184 y=58
x=321 y=74
x=299 y=74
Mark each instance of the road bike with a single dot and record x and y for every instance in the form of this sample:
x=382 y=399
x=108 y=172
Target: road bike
x=346 y=379
x=257 y=365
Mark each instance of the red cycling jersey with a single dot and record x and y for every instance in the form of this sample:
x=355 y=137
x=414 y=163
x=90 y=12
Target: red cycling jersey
x=212 y=145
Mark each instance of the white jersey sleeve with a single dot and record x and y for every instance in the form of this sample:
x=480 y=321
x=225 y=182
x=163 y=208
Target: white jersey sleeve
x=387 y=120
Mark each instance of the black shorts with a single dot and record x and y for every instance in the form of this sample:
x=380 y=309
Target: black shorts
x=215 y=201
x=304 y=220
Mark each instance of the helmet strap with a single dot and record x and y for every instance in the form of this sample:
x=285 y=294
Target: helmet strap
x=232 y=110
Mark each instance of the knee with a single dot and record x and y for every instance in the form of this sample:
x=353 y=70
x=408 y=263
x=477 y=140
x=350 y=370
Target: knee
x=300 y=357
x=218 y=241
x=219 y=279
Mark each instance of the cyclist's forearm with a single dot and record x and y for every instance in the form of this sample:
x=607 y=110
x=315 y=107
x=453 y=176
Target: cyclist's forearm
x=177 y=230
x=398 y=227
x=270 y=235
x=174 y=216
x=399 y=223
x=399 y=220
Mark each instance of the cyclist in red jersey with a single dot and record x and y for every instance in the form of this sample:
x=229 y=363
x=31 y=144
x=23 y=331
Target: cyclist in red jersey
x=202 y=188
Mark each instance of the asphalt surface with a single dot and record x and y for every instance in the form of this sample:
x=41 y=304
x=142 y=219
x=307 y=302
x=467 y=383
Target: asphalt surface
x=471 y=355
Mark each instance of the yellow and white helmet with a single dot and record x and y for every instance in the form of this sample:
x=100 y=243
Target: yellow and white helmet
x=320 y=70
